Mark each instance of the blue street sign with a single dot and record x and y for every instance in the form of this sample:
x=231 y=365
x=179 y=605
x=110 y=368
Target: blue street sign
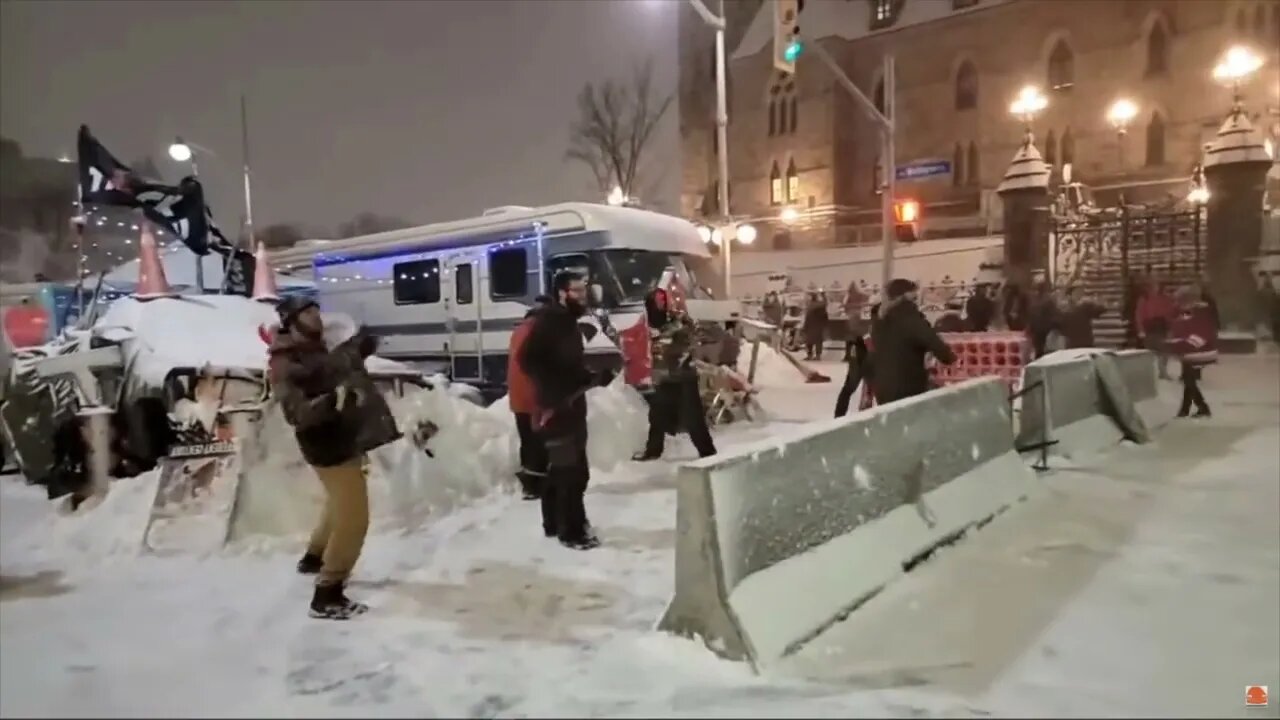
x=923 y=169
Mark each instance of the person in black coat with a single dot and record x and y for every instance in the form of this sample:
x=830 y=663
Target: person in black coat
x=1042 y=318
x=554 y=358
x=902 y=336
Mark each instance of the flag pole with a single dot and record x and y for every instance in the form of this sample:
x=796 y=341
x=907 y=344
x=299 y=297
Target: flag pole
x=248 y=192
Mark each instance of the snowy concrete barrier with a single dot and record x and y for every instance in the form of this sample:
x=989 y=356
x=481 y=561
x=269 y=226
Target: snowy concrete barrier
x=1138 y=368
x=1085 y=400
x=1067 y=407
x=780 y=539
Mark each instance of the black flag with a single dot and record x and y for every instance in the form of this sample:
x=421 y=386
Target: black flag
x=104 y=180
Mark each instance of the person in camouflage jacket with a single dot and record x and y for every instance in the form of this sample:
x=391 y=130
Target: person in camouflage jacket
x=675 y=404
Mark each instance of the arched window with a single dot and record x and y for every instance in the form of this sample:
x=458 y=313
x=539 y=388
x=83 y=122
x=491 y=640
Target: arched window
x=776 y=190
x=795 y=115
x=1062 y=66
x=966 y=87
x=878 y=96
x=957 y=166
x=1157 y=50
x=1155 y=140
x=793 y=182
x=773 y=118
x=1067 y=148
x=1051 y=149
x=1242 y=21
x=975 y=175
x=1260 y=22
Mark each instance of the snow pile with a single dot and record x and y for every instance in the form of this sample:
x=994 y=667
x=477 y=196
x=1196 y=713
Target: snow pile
x=188 y=332
x=98 y=530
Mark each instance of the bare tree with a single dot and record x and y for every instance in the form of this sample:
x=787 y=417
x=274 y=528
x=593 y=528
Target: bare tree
x=280 y=235
x=616 y=121
x=367 y=223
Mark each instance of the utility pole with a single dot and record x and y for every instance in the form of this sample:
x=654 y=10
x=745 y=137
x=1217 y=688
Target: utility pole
x=886 y=122
x=722 y=139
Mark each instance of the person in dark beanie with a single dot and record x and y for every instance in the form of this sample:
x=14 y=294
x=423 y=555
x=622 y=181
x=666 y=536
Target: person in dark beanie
x=554 y=358
x=902 y=336
x=520 y=397
x=979 y=309
x=338 y=416
x=675 y=403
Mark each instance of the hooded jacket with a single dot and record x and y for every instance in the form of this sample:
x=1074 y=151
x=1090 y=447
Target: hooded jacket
x=306 y=377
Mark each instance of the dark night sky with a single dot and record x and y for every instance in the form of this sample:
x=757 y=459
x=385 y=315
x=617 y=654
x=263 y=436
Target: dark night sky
x=425 y=110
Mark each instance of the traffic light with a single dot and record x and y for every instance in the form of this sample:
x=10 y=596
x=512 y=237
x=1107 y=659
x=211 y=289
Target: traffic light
x=907 y=214
x=786 y=35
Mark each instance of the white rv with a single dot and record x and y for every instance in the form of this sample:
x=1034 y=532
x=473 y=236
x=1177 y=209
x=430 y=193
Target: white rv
x=445 y=297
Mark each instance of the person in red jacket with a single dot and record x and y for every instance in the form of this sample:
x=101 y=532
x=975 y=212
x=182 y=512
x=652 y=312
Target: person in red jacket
x=1194 y=339
x=523 y=402
x=1154 y=313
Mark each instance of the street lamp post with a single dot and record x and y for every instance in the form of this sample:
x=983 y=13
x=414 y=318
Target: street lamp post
x=1029 y=102
x=1238 y=63
x=1120 y=114
x=717 y=22
x=181 y=151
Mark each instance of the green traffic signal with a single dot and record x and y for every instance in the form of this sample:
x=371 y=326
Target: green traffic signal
x=793 y=51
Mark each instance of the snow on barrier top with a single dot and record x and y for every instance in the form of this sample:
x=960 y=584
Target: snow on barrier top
x=778 y=540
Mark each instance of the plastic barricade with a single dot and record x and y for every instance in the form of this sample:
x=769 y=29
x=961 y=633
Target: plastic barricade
x=982 y=354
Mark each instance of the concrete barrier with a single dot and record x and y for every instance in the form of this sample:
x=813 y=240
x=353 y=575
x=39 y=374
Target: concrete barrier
x=1090 y=400
x=1067 y=408
x=1138 y=367
x=780 y=539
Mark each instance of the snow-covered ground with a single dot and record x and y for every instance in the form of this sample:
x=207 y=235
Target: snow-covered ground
x=1143 y=582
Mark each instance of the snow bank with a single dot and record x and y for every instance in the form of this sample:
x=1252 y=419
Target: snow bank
x=187 y=332
x=279 y=498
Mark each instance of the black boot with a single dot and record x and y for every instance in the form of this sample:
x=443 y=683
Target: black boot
x=331 y=603
x=310 y=564
x=589 y=541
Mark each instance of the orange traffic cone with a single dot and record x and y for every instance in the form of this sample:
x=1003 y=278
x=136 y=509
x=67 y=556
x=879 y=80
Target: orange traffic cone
x=264 y=278
x=152 y=283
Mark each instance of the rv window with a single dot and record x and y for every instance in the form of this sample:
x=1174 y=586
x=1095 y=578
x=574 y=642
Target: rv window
x=508 y=273
x=462 y=284
x=416 y=283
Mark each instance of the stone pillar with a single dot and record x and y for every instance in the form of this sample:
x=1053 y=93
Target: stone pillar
x=1235 y=170
x=1025 y=193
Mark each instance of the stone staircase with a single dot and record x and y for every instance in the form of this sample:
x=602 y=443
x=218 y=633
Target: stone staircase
x=1169 y=257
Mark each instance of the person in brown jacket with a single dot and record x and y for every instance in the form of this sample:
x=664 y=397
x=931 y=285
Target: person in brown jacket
x=523 y=402
x=338 y=415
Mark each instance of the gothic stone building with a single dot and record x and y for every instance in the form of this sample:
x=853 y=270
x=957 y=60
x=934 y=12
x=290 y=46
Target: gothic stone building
x=801 y=142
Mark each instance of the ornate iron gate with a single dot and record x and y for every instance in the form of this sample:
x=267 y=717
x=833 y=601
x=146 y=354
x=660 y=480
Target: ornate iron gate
x=1107 y=254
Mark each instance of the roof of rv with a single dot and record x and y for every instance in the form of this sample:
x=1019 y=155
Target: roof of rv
x=637 y=229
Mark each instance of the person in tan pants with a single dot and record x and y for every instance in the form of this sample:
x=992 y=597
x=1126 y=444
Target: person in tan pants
x=338 y=416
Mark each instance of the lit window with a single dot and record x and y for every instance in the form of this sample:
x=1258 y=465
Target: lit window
x=776 y=189
x=793 y=182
